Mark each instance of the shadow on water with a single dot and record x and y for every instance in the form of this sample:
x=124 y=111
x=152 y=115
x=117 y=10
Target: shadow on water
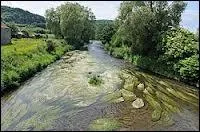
x=60 y=97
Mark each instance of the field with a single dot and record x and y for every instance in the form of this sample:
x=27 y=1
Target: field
x=24 y=57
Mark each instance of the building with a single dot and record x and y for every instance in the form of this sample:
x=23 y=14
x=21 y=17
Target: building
x=5 y=34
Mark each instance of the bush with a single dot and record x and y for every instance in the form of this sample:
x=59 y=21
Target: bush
x=189 y=68
x=178 y=44
x=50 y=46
x=95 y=80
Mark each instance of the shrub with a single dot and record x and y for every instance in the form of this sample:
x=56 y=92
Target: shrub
x=178 y=44
x=95 y=80
x=51 y=46
x=189 y=68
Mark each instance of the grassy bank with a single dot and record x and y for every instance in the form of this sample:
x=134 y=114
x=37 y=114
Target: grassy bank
x=24 y=57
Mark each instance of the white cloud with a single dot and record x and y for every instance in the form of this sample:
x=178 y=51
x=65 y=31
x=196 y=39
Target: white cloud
x=101 y=9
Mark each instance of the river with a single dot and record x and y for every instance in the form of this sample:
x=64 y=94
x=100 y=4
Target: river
x=60 y=98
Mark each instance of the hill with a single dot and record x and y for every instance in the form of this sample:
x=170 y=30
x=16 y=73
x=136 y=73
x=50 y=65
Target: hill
x=20 y=16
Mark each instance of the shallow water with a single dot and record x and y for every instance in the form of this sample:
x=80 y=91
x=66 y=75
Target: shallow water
x=60 y=97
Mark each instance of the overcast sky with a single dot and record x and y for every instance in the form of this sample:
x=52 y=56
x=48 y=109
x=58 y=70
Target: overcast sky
x=105 y=9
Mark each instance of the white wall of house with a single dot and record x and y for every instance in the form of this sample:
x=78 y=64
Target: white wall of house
x=5 y=35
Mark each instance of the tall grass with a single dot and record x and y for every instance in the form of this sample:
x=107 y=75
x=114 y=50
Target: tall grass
x=24 y=57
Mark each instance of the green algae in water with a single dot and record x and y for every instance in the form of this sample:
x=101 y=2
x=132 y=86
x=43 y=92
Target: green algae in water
x=164 y=98
x=156 y=115
x=95 y=80
x=104 y=124
x=13 y=115
x=111 y=97
x=40 y=121
x=166 y=119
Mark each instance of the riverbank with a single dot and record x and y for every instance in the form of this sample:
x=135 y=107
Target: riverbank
x=25 y=57
x=152 y=65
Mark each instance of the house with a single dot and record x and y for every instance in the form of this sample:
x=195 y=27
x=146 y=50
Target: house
x=5 y=34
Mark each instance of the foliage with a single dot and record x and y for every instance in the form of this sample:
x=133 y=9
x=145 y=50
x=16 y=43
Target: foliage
x=50 y=46
x=148 y=34
x=20 y=16
x=189 y=68
x=95 y=80
x=24 y=58
x=53 y=22
x=73 y=22
x=99 y=25
x=140 y=24
x=13 y=28
x=105 y=34
x=178 y=44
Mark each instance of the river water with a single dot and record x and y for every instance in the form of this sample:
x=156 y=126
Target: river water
x=60 y=97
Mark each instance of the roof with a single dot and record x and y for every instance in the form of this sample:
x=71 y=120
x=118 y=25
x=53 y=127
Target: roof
x=4 y=25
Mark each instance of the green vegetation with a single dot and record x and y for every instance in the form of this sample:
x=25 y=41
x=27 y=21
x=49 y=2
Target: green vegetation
x=105 y=32
x=101 y=30
x=95 y=80
x=148 y=34
x=24 y=57
x=104 y=124
x=20 y=16
x=73 y=22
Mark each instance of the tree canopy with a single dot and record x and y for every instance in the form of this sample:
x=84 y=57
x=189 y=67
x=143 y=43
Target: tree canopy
x=73 y=22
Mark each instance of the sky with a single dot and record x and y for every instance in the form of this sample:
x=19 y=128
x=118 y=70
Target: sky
x=105 y=9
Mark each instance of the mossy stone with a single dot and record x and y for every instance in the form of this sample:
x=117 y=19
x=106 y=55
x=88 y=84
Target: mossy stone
x=140 y=86
x=129 y=87
x=127 y=95
x=121 y=99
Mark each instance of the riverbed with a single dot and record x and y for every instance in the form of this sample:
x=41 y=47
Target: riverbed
x=60 y=98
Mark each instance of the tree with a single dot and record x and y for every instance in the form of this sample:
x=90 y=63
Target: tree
x=140 y=24
x=106 y=33
x=77 y=24
x=53 y=22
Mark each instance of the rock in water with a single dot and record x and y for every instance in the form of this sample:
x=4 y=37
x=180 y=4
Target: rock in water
x=121 y=99
x=140 y=86
x=129 y=87
x=138 y=103
x=127 y=95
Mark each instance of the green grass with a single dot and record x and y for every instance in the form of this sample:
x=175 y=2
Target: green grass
x=24 y=57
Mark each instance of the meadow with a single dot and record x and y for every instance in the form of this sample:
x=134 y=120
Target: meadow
x=21 y=59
